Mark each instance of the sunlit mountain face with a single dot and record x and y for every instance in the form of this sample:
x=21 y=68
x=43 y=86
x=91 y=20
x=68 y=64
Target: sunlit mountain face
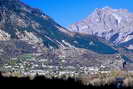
x=114 y=25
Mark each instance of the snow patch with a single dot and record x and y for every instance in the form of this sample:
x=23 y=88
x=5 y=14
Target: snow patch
x=130 y=47
x=84 y=27
x=75 y=42
x=68 y=44
x=4 y=35
x=61 y=45
x=130 y=37
x=117 y=17
x=91 y=43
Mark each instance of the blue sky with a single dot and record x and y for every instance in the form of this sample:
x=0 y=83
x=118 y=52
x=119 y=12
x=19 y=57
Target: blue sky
x=67 y=12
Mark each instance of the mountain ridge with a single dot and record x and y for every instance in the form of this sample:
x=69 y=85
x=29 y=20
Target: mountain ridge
x=19 y=21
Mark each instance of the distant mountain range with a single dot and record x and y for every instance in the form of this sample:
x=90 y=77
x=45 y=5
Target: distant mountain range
x=28 y=33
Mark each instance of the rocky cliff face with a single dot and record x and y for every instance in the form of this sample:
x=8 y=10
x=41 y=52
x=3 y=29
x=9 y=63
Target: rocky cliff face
x=114 y=25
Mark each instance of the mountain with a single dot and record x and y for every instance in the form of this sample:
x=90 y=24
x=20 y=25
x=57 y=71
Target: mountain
x=19 y=21
x=32 y=42
x=114 y=25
